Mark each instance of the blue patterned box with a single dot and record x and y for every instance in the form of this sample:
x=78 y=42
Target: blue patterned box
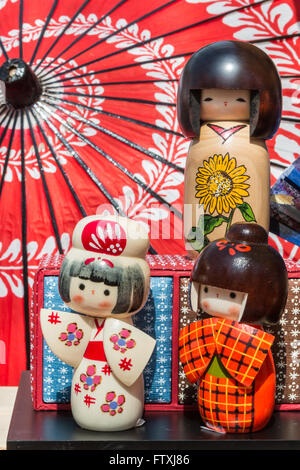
x=51 y=378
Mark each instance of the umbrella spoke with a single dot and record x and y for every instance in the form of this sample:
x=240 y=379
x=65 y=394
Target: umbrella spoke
x=128 y=173
x=65 y=176
x=62 y=33
x=129 y=82
x=114 y=98
x=119 y=138
x=82 y=35
x=118 y=116
x=41 y=36
x=79 y=160
x=45 y=186
x=82 y=164
x=3 y=50
x=146 y=41
x=21 y=11
x=8 y=148
x=114 y=34
x=275 y=38
x=290 y=119
x=24 y=241
x=114 y=69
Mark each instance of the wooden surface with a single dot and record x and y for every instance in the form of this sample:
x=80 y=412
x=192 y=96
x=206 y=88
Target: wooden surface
x=53 y=430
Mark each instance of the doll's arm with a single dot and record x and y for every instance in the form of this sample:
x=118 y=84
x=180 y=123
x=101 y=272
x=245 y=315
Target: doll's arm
x=196 y=349
x=127 y=349
x=66 y=333
x=242 y=349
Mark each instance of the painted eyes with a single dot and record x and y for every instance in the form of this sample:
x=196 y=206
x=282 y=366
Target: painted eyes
x=232 y=295
x=240 y=100
x=82 y=287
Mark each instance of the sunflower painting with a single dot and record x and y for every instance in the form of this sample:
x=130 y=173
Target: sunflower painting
x=221 y=186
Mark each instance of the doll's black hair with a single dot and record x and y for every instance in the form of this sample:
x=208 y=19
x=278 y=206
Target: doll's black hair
x=233 y=65
x=245 y=262
x=130 y=281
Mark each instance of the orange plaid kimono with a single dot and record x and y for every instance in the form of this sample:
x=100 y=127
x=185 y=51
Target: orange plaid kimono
x=242 y=398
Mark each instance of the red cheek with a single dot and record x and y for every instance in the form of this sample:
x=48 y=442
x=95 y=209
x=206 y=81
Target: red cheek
x=234 y=311
x=104 y=304
x=78 y=298
x=205 y=305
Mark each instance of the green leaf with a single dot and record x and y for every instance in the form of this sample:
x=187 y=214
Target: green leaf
x=246 y=212
x=210 y=222
x=197 y=239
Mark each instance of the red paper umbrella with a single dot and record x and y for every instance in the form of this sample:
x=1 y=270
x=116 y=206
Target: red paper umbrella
x=88 y=124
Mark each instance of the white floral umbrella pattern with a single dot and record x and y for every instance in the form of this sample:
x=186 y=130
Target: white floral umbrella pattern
x=100 y=132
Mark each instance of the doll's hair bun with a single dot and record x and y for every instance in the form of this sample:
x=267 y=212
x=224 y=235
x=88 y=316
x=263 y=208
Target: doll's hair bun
x=247 y=233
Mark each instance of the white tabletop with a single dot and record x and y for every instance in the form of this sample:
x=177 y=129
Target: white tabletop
x=7 y=400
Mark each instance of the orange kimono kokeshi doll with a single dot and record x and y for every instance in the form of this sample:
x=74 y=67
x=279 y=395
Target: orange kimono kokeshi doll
x=240 y=282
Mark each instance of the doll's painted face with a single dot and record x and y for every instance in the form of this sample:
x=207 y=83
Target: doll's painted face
x=219 y=104
x=94 y=298
x=222 y=303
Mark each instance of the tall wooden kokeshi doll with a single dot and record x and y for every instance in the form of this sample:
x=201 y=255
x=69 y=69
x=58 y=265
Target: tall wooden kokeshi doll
x=229 y=104
x=105 y=279
x=239 y=282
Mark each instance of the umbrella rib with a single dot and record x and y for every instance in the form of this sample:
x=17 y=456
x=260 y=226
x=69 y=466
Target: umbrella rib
x=8 y=148
x=65 y=176
x=275 y=38
x=146 y=41
x=286 y=76
x=88 y=171
x=3 y=50
x=62 y=33
x=119 y=138
x=113 y=69
x=136 y=64
x=129 y=82
x=152 y=12
x=21 y=12
x=41 y=36
x=9 y=115
x=80 y=37
x=119 y=116
x=24 y=240
x=118 y=165
x=290 y=119
x=114 y=98
x=45 y=186
x=82 y=164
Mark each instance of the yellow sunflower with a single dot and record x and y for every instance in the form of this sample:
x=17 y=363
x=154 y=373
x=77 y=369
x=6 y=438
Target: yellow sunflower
x=221 y=184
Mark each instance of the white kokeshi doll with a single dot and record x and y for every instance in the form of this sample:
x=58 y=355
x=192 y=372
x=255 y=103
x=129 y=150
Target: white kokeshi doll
x=105 y=278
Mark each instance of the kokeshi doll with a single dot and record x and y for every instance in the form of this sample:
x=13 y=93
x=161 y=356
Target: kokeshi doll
x=229 y=104
x=105 y=279
x=240 y=282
